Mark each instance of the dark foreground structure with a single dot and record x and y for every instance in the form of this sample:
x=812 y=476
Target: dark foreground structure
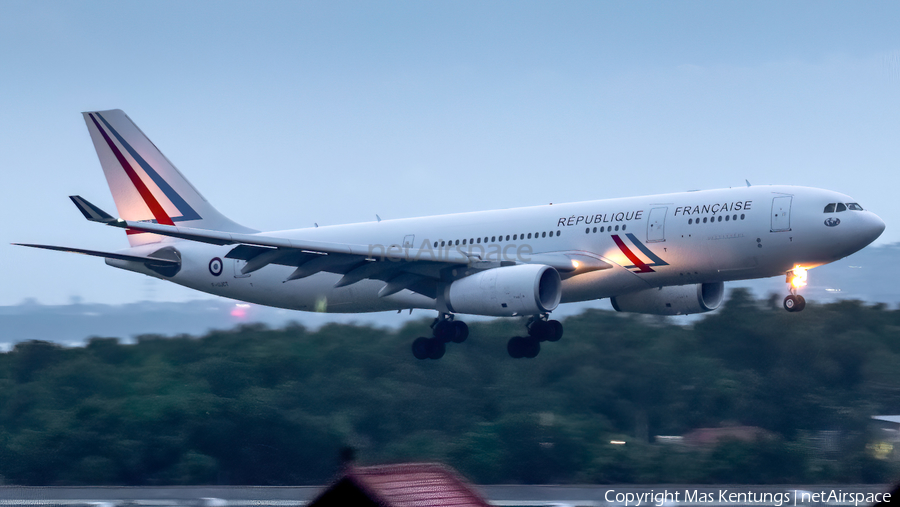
x=419 y=484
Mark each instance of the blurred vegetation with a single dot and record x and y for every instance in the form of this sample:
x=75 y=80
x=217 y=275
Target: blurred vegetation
x=274 y=406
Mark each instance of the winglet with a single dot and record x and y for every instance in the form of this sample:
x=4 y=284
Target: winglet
x=91 y=212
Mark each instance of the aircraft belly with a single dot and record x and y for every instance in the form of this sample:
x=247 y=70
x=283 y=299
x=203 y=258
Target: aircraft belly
x=601 y=284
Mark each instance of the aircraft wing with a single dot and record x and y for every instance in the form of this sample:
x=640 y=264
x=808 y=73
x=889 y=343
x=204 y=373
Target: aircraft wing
x=108 y=255
x=416 y=269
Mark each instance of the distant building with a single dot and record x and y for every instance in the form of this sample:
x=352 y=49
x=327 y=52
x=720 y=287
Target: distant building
x=406 y=485
x=712 y=436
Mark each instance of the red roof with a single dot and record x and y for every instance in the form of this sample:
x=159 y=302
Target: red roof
x=408 y=484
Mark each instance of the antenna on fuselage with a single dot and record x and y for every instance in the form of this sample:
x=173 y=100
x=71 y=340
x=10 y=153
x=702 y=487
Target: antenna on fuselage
x=748 y=182
x=378 y=217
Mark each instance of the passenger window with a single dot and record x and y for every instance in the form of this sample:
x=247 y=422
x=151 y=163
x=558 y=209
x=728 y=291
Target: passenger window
x=493 y=239
x=617 y=227
x=704 y=220
x=841 y=207
x=435 y=244
x=515 y=236
x=464 y=242
x=742 y=216
x=558 y=233
x=544 y=234
x=734 y=217
x=623 y=226
x=690 y=221
x=507 y=237
x=485 y=239
x=854 y=206
x=529 y=235
x=829 y=208
x=595 y=229
x=727 y=218
x=720 y=218
x=471 y=241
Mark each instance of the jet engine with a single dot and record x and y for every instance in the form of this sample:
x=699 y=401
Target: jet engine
x=675 y=300
x=524 y=289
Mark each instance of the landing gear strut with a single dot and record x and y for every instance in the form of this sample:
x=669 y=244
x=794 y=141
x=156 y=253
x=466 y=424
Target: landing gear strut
x=540 y=329
x=445 y=330
x=796 y=278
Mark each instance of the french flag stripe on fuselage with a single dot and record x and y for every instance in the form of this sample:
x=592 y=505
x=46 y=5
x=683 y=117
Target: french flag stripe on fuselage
x=646 y=251
x=644 y=268
x=158 y=212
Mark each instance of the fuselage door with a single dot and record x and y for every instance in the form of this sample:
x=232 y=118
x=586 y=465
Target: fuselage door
x=409 y=241
x=656 y=225
x=781 y=213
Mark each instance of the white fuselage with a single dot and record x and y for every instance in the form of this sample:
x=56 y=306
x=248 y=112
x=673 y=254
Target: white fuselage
x=699 y=237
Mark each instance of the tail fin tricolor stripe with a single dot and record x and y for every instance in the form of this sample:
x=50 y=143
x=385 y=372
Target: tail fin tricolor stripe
x=187 y=212
x=158 y=212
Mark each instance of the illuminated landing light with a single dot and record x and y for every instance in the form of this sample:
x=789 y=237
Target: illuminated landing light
x=617 y=442
x=576 y=264
x=832 y=290
x=240 y=310
x=798 y=277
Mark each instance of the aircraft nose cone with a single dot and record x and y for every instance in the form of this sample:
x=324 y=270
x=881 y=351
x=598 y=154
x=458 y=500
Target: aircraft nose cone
x=874 y=226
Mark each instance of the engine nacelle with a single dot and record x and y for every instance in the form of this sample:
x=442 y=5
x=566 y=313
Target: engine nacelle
x=676 y=300
x=523 y=289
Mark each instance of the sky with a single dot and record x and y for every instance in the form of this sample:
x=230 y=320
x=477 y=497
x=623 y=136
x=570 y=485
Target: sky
x=285 y=114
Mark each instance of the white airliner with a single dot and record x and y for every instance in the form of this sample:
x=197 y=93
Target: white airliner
x=663 y=254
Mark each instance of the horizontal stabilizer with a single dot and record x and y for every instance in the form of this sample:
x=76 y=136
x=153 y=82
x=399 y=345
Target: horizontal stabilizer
x=108 y=255
x=91 y=212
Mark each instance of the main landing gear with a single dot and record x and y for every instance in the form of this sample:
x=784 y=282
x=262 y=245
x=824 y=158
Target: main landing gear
x=539 y=330
x=796 y=278
x=445 y=330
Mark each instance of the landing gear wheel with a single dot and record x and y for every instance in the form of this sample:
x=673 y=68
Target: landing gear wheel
x=557 y=328
x=520 y=346
x=794 y=303
x=421 y=347
x=532 y=348
x=541 y=330
x=444 y=330
x=437 y=349
x=460 y=331
x=514 y=347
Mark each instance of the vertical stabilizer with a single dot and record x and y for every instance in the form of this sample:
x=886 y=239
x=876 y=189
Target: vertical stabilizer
x=144 y=184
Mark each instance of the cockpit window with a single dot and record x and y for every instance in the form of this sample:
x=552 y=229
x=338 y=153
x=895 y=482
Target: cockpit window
x=854 y=206
x=841 y=207
x=829 y=208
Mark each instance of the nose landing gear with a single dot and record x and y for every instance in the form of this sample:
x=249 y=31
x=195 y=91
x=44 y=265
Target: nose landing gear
x=445 y=330
x=794 y=303
x=796 y=278
x=540 y=329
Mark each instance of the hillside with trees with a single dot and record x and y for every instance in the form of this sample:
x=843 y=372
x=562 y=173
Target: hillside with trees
x=275 y=406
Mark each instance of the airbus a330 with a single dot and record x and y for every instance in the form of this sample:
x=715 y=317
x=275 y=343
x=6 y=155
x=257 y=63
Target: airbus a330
x=664 y=254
